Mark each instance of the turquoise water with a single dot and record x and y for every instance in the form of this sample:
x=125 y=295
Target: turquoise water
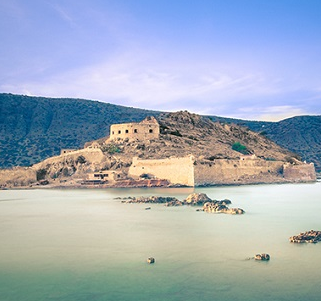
x=85 y=245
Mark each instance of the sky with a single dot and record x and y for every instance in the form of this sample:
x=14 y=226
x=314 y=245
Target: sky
x=249 y=59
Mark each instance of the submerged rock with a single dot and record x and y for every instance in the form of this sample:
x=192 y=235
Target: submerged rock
x=218 y=207
x=194 y=199
x=262 y=257
x=152 y=199
x=174 y=203
x=235 y=211
x=225 y=202
x=311 y=236
x=150 y=260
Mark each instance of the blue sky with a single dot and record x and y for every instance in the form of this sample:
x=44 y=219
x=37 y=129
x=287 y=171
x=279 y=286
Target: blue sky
x=250 y=59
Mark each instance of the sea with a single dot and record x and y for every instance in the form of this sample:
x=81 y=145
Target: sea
x=86 y=245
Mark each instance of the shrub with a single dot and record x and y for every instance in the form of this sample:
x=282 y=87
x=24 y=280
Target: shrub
x=81 y=159
x=270 y=159
x=175 y=133
x=110 y=149
x=237 y=146
x=41 y=174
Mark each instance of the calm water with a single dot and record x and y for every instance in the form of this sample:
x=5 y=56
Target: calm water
x=85 y=245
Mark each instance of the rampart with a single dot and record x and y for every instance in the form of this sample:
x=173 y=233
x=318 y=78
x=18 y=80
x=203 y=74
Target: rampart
x=299 y=173
x=175 y=170
x=229 y=171
x=92 y=155
x=66 y=150
x=144 y=130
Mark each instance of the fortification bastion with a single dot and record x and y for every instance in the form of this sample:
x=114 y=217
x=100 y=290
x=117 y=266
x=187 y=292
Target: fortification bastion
x=146 y=129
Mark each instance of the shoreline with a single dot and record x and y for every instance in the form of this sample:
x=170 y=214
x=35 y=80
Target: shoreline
x=107 y=186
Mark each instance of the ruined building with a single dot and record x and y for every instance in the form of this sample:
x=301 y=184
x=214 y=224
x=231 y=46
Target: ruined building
x=146 y=129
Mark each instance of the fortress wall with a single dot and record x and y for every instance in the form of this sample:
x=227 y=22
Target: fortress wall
x=140 y=131
x=175 y=170
x=224 y=171
x=92 y=155
x=299 y=173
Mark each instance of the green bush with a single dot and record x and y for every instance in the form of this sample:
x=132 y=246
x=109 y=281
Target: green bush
x=110 y=149
x=237 y=146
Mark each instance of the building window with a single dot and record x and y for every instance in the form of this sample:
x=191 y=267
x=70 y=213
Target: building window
x=135 y=130
x=126 y=131
x=113 y=132
x=150 y=131
x=119 y=132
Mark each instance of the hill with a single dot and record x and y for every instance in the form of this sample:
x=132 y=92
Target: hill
x=184 y=133
x=179 y=149
x=300 y=134
x=35 y=128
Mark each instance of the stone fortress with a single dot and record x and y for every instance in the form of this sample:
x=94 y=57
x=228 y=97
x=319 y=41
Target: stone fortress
x=149 y=154
x=185 y=171
x=146 y=129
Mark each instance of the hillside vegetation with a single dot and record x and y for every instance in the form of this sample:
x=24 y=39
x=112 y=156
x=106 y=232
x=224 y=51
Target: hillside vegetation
x=35 y=128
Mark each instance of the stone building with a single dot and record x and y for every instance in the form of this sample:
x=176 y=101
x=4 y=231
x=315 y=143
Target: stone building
x=103 y=177
x=144 y=130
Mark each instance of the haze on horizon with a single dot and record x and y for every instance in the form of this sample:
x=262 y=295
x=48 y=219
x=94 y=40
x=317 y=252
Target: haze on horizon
x=249 y=59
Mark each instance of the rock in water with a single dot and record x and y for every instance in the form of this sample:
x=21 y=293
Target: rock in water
x=311 y=236
x=197 y=199
x=218 y=207
x=153 y=200
x=262 y=257
x=150 y=260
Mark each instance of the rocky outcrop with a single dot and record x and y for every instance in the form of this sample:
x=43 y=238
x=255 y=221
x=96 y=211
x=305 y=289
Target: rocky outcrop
x=311 y=236
x=168 y=201
x=197 y=199
x=150 y=260
x=194 y=199
x=211 y=206
x=220 y=207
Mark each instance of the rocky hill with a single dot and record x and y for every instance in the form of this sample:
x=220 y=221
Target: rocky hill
x=35 y=128
x=301 y=134
x=185 y=149
x=184 y=133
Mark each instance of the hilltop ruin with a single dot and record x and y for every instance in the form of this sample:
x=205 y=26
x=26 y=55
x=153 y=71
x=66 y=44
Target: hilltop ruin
x=178 y=149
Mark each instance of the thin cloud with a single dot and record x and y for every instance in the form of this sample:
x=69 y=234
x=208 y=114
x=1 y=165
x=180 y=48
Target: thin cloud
x=273 y=113
x=140 y=79
x=63 y=14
